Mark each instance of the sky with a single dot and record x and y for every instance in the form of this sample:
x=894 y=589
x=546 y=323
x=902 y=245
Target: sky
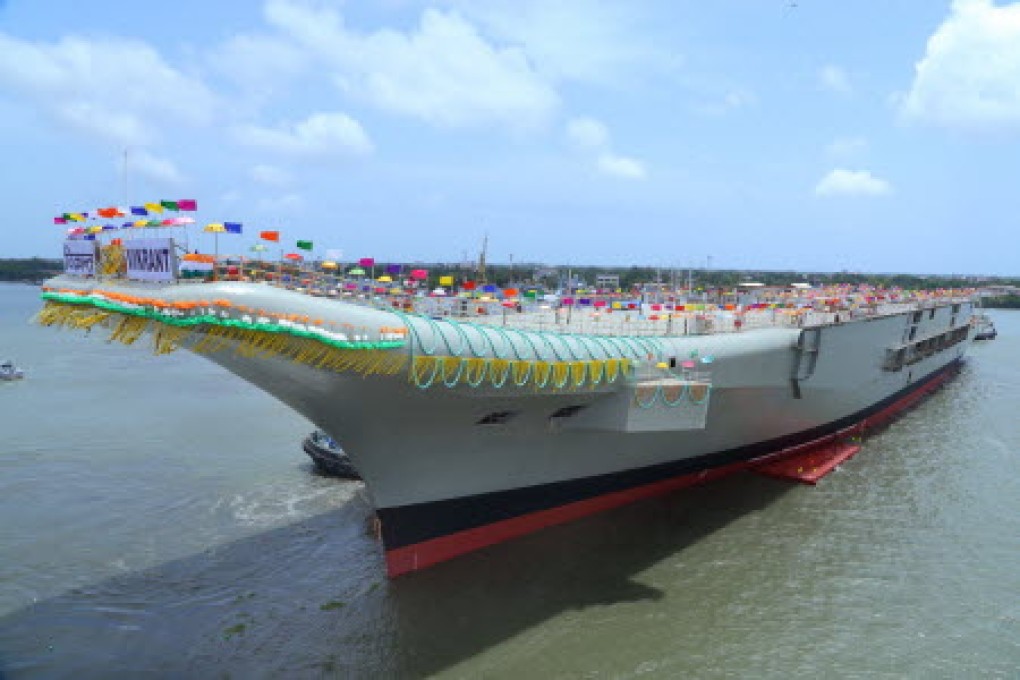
x=873 y=136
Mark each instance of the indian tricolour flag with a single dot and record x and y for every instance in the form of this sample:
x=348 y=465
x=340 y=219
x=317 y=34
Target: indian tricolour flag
x=196 y=266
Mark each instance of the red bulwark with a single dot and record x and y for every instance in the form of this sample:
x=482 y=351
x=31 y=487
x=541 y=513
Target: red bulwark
x=420 y=555
x=810 y=466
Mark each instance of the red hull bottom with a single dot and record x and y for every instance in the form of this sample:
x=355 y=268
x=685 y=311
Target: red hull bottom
x=816 y=458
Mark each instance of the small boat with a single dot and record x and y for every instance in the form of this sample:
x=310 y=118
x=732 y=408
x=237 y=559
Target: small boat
x=8 y=371
x=328 y=457
x=984 y=329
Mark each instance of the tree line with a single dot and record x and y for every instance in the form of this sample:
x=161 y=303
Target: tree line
x=37 y=269
x=29 y=270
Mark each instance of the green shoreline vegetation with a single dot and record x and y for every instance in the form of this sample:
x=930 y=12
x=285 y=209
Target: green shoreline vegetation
x=36 y=270
x=1001 y=302
x=29 y=270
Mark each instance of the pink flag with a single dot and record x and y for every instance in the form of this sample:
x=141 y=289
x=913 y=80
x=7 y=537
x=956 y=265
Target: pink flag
x=59 y=220
x=367 y=261
x=188 y=204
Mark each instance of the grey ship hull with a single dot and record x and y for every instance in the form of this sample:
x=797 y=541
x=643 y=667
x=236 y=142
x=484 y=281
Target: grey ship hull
x=444 y=481
x=452 y=470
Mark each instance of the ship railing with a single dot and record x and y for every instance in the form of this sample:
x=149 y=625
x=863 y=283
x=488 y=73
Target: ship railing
x=542 y=318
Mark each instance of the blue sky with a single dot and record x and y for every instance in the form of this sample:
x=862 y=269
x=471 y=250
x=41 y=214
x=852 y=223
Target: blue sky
x=866 y=136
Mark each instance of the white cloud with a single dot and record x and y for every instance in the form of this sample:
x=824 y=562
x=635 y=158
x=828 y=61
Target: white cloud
x=279 y=204
x=842 y=182
x=847 y=147
x=587 y=133
x=320 y=135
x=155 y=168
x=270 y=175
x=621 y=166
x=117 y=90
x=580 y=40
x=591 y=137
x=727 y=102
x=259 y=64
x=443 y=71
x=834 y=79
x=969 y=76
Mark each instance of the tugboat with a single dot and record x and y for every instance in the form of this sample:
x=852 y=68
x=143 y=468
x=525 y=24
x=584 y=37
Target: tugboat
x=9 y=372
x=984 y=329
x=328 y=457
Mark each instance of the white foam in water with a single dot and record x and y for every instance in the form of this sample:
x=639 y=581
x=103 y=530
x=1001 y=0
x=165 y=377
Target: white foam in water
x=279 y=504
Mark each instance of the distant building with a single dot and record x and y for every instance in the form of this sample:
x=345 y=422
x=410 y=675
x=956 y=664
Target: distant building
x=610 y=281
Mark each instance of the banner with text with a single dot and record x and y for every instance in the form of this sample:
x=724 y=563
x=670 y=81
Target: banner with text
x=80 y=258
x=151 y=259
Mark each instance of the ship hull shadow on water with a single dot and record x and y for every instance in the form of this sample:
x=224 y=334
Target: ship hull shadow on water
x=314 y=593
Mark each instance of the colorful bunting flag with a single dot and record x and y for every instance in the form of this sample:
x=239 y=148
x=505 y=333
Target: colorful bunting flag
x=304 y=245
x=367 y=262
x=270 y=236
x=214 y=228
x=59 y=220
x=139 y=210
x=154 y=207
x=169 y=205
x=189 y=204
x=232 y=227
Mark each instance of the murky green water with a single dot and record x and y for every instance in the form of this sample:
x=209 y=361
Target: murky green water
x=158 y=517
